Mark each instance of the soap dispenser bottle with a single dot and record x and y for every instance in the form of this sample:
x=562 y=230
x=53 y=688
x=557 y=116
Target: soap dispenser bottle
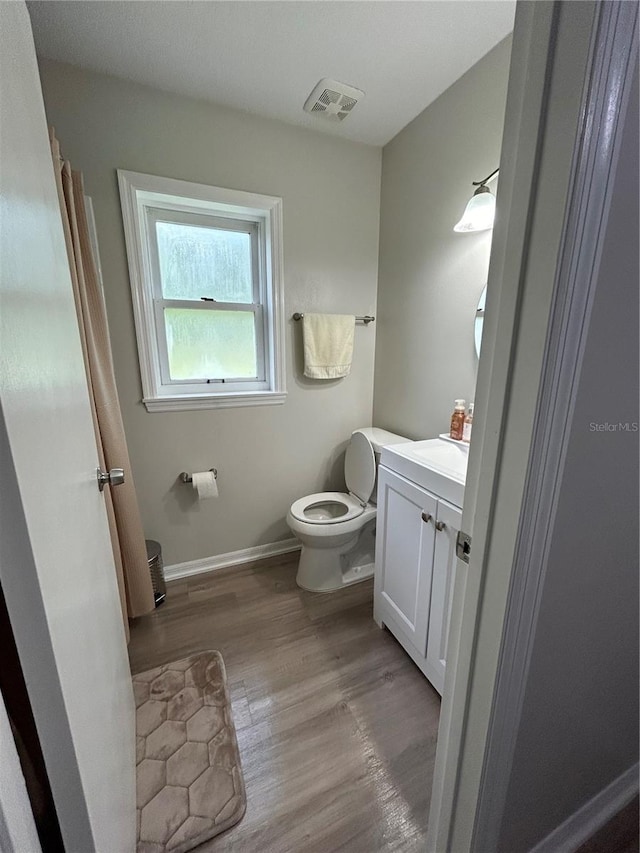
x=468 y=423
x=457 y=421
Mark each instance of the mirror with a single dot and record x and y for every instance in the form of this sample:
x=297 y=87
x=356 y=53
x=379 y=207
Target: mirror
x=480 y=320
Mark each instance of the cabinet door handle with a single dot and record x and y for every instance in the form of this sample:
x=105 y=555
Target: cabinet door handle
x=440 y=525
x=426 y=516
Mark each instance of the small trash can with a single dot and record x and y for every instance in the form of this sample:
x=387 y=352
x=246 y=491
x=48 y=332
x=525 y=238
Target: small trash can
x=156 y=570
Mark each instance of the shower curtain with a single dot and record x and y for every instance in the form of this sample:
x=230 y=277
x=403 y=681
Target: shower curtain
x=125 y=526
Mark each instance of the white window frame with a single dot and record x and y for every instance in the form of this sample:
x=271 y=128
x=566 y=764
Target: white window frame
x=256 y=307
x=144 y=198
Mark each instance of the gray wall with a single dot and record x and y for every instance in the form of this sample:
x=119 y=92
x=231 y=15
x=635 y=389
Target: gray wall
x=430 y=278
x=579 y=729
x=266 y=456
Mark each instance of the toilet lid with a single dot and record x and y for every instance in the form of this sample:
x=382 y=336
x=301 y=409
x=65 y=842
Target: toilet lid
x=360 y=467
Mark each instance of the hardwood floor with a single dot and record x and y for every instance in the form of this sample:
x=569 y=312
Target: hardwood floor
x=336 y=726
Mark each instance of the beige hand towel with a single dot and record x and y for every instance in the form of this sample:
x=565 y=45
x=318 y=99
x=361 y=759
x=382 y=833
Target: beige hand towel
x=328 y=345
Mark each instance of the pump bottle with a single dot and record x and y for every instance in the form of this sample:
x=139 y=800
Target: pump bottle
x=457 y=421
x=468 y=423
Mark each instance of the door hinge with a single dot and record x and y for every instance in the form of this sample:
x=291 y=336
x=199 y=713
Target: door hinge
x=463 y=546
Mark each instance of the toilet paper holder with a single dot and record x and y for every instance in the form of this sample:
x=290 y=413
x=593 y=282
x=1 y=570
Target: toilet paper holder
x=188 y=478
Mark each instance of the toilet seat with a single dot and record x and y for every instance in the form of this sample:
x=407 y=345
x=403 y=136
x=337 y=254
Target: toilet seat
x=327 y=508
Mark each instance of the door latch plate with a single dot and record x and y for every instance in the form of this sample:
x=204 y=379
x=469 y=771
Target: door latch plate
x=463 y=546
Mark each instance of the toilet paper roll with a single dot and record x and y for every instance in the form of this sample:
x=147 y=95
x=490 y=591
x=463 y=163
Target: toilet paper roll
x=205 y=484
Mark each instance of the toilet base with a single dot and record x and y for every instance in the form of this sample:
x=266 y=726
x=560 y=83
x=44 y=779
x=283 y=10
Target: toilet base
x=356 y=574
x=324 y=569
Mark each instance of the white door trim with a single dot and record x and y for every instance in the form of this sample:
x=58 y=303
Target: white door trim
x=606 y=95
x=592 y=816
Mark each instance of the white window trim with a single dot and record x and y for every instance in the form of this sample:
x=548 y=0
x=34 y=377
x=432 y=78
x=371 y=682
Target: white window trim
x=138 y=192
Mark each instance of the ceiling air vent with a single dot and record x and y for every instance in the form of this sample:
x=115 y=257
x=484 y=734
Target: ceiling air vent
x=332 y=100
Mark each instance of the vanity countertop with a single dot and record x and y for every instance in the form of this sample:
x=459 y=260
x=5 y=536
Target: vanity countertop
x=438 y=465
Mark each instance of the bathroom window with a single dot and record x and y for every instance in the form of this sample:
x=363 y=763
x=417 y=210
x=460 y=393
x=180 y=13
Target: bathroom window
x=205 y=265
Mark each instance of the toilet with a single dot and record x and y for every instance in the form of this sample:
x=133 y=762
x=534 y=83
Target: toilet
x=337 y=529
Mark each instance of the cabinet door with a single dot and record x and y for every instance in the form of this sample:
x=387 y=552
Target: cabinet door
x=444 y=569
x=404 y=556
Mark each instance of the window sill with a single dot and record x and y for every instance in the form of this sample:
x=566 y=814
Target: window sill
x=193 y=402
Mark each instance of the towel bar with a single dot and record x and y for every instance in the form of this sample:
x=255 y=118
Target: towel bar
x=366 y=319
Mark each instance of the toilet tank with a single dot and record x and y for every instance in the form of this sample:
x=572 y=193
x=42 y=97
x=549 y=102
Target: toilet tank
x=379 y=438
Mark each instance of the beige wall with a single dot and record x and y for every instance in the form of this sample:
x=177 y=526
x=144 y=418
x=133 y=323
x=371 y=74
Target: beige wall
x=266 y=456
x=430 y=278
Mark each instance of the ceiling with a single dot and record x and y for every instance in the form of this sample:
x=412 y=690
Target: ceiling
x=265 y=57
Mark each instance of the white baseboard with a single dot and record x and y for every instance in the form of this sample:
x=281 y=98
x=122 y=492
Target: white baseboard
x=231 y=558
x=592 y=816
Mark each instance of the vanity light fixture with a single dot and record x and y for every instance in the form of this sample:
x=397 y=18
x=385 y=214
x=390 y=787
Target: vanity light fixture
x=481 y=208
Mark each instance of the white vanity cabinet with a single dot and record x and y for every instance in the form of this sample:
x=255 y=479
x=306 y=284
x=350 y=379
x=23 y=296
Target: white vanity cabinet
x=443 y=577
x=415 y=569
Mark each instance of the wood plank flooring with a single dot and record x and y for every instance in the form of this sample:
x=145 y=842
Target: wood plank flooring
x=336 y=726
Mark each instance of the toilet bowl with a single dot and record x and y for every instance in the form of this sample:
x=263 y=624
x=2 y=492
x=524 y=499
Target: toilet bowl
x=337 y=529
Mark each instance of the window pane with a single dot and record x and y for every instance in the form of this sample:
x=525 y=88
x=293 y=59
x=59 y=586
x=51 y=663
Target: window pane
x=211 y=344
x=197 y=262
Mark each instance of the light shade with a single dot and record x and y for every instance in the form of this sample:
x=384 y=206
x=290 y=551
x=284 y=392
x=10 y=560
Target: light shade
x=479 y=213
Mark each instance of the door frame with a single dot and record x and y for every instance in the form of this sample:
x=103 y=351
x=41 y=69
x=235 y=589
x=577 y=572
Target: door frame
x=557 y=167
x=607 y=92
x=17 y=825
